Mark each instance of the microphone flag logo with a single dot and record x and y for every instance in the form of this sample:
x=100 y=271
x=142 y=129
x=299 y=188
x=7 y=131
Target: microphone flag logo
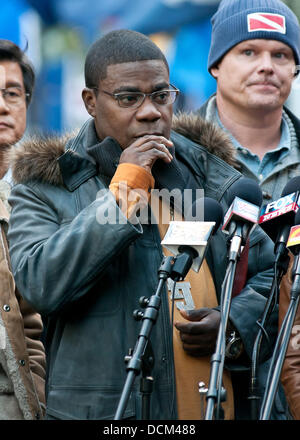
x=280 y=207
x=294 y=237
x=263 y=21
x=241 y=209
x=194 y=234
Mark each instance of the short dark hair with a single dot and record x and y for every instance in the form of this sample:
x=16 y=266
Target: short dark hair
x=9 y=51
x=116 y=47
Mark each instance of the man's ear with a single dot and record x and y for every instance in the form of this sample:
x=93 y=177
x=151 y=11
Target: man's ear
x=215 y=71
x=89 y=99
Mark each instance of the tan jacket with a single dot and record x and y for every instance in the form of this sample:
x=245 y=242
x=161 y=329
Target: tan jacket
x=20 y=331
x=290 y=376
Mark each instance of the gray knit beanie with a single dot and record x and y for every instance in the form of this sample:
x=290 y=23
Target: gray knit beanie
x=239 y=20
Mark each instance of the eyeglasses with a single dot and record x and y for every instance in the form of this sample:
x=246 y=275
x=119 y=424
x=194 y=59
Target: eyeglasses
x=136 y=99
x=13 y=95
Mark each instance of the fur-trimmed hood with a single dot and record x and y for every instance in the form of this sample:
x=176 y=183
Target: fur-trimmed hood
x=36 y=158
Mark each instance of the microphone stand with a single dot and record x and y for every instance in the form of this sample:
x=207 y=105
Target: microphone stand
x=281 y=267
x=281 y=345
x=135 y=359
x=214 y=392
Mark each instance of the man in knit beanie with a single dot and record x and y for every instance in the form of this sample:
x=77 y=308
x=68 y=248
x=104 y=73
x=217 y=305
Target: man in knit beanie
x=255 y=57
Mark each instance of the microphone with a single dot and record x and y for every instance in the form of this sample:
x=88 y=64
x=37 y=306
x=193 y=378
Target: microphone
x=188 y=239
x=246 y=198
x=277 y=217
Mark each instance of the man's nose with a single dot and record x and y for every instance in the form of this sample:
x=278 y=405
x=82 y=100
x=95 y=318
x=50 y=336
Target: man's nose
x=266 y=63
x=148 y=110
x=4 y=108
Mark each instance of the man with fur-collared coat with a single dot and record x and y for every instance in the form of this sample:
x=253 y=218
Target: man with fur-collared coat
x=87 y=271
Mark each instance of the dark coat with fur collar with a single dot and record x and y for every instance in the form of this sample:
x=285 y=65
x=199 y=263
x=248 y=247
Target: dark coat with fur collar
x=36 y=159
x=85 y=278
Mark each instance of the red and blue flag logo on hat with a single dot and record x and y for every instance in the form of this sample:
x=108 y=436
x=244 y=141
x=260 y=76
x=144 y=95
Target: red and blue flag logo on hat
x=263 y=21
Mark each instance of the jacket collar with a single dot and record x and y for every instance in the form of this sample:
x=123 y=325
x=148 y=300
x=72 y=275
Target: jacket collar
x=203 y=113
x=75 y=165
x=295 y=121
x=86 y=157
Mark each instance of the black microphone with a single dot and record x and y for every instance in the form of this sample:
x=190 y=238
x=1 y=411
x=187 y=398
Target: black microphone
x=188 y=240
x=246 y=198
x=247 y=189
x=277 y=217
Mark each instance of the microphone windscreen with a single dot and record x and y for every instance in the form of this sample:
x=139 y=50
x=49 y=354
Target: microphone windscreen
x=291 y=187
x=206 y=209
x=246 y=189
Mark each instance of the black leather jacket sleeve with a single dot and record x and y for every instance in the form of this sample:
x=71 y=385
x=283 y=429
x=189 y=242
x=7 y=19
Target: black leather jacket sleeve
x=47 y=251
